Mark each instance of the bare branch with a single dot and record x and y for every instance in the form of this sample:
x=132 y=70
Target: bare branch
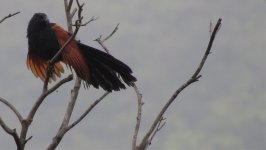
x=111 y=34
x=69 y=16
x=52 y=61
x=64 y=128
x=145 y=141
x=69 y=5
x=9 y=16
x=105 y=94
x=74 y=92
x=160 y=125
x=5 y=127
x=93 y=18
x=26 y=122
x=72 y=14
x=80 y=9
x=71 y=104
x=44 y=94
x=11 y=132
x=100 y=41
x=139 y=114
x=87 y=111
x=28 y=139
x=13 y=108
x=60 y=83
x=207 y=52
x=139 y=95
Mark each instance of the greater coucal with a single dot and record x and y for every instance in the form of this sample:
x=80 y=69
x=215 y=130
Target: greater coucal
x=93 y=66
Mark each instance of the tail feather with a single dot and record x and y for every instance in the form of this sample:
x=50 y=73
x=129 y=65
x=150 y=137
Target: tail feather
x=105 y=70
x=104 y=77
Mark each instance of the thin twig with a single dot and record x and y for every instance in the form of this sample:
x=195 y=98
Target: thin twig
x=194 y=78
x=210 y=30
x=80 y=9
x=207 y=52
x=9 y=16
x=29 y=138
x=100 y=41
x=93 y=18
x=111 y=34
x=72 y=14
x=13 y=108
x=160 y=125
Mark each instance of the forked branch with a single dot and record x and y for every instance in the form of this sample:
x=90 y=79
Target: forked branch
x=195 y=77
x=65 y=127
x=100 y=41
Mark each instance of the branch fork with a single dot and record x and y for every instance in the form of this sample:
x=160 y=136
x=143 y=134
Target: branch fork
x=159 y=121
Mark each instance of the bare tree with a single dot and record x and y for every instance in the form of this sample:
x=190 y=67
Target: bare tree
x=159 y=122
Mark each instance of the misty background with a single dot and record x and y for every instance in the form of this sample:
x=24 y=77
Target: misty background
x=163 y=42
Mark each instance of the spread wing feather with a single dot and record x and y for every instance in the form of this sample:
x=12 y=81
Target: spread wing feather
x=38 y=67
x=71 y=54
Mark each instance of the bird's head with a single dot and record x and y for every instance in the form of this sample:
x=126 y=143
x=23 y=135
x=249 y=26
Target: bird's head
x=37 y=22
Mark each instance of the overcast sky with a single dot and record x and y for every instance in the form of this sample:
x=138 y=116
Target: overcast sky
x=163 y=42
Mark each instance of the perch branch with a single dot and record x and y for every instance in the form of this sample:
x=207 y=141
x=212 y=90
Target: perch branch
x=75 y=91
x=145 y=141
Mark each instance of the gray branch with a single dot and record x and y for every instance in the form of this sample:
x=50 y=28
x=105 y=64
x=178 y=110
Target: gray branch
x=9 y=16
x=13 y=108
x=195 y=77
x=139 y=114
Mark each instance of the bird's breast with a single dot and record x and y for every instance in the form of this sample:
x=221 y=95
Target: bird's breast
x=43 y=43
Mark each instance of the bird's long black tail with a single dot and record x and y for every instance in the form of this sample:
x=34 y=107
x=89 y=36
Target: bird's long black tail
x=105 y=70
